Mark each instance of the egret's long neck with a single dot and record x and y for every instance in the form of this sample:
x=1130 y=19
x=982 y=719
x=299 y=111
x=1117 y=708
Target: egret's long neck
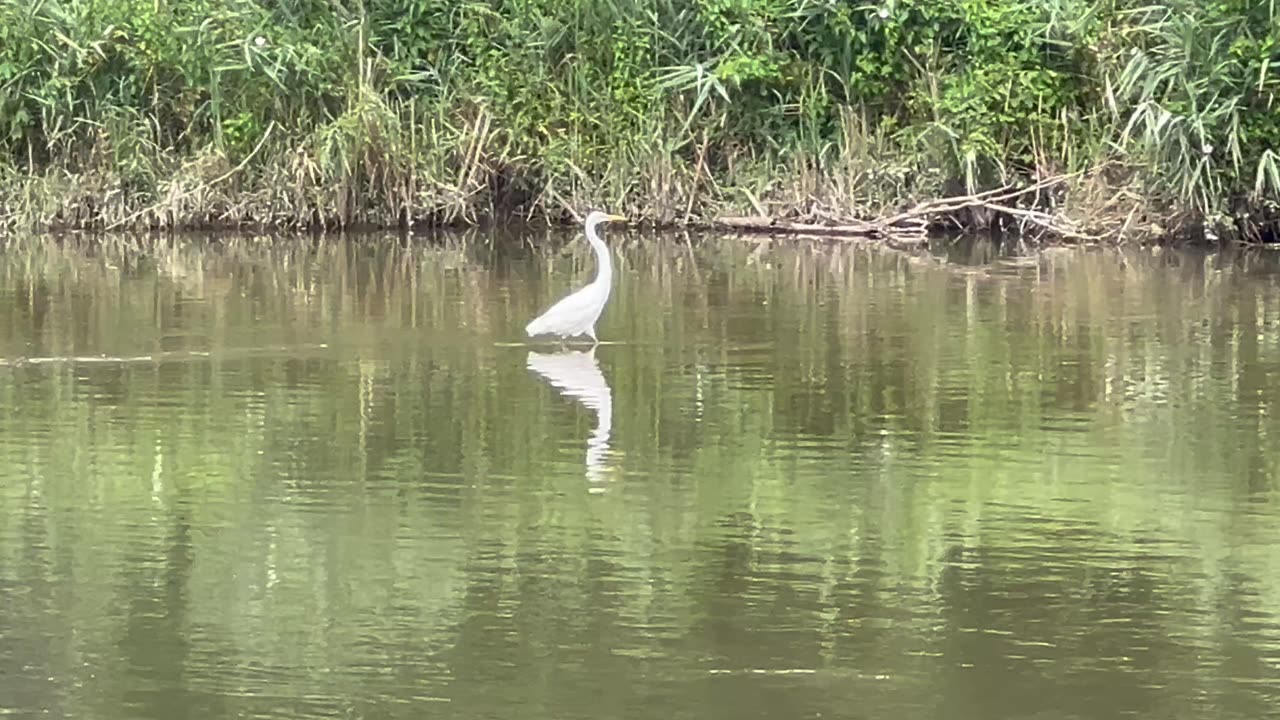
x=604 y=264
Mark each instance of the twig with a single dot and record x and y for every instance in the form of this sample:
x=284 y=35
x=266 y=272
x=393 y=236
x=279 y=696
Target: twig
x=697 y=175
x=909 y=230
x=911 y=226
x=755 y=203
x=566 y=206
x=1043 y=220
x=951 y=204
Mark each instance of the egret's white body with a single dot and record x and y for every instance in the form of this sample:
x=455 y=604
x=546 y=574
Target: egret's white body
x=577 y=314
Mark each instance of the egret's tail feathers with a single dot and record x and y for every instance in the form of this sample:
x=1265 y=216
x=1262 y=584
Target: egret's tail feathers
x=535 y=327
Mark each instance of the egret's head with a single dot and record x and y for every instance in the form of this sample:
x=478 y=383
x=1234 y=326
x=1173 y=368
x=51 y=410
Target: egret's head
x=596 y=217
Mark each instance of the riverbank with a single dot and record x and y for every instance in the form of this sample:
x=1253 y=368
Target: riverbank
x=1088 y=122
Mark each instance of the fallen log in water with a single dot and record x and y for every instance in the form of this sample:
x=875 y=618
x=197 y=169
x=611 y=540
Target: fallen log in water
x=911 y=226
x=904 y=230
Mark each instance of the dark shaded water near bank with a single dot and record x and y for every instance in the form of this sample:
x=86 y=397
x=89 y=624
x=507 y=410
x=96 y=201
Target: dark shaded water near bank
x=298 y=478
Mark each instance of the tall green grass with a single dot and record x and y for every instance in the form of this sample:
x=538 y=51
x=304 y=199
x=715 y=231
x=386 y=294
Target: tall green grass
x=186 y=112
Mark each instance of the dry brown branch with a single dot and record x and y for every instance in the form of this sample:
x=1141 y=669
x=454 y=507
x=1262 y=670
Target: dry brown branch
x=906 y=231
x=755 y=203
x=989 y=199
x=697 y=175
x=910 y=226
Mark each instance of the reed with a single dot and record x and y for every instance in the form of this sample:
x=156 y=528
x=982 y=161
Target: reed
x=182 y=113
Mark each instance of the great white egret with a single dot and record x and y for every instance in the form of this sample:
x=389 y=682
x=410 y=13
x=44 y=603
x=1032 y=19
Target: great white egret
x=577 y=313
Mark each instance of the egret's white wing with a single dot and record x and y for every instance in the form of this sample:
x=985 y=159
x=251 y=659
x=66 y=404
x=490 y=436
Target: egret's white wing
x=573 y=315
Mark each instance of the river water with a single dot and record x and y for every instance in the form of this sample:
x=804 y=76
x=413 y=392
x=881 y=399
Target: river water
x=295 y=477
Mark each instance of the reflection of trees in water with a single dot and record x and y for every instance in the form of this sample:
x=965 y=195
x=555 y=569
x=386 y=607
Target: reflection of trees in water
x=1037 y=614
x=906 y=452
x=109 y=288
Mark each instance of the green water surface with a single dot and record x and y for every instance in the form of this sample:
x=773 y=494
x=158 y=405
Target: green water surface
x=298 y=478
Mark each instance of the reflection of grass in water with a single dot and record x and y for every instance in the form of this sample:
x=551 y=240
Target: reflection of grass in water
x=999 y=362
x=874 y=415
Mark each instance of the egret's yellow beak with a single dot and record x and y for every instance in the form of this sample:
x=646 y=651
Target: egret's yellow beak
x=618 y=218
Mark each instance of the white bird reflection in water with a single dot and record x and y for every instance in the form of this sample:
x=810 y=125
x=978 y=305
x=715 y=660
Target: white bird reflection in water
x=576 y=374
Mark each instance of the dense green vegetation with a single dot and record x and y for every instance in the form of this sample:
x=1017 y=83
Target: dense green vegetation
x=117 y=112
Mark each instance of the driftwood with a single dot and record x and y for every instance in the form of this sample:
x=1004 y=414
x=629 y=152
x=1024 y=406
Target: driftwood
x=905 y=230
x=911 y=226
